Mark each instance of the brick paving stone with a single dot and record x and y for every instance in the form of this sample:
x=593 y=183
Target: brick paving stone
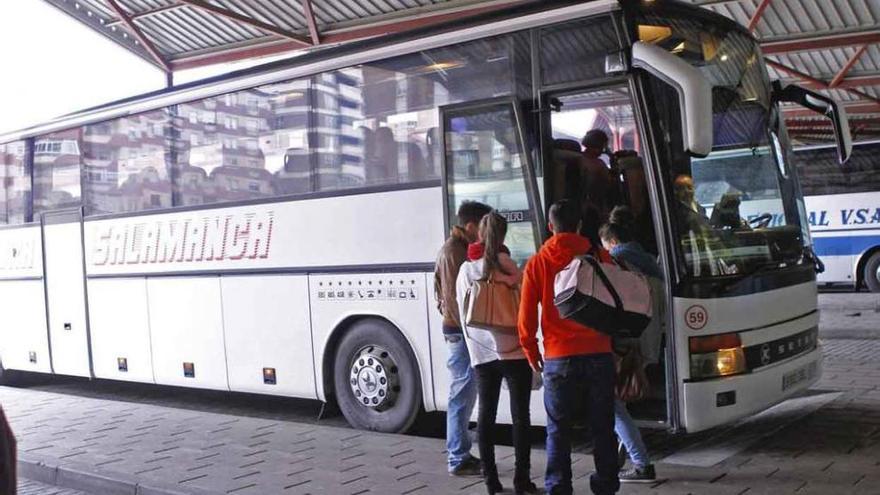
x=28 y=487
x=833 y=450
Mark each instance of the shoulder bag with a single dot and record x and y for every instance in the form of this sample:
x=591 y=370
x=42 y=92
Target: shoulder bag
x=605 y=297
x=492 y=305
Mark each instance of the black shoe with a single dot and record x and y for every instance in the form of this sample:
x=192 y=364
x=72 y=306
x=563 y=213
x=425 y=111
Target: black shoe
x=525 y=488
x=469 y=467
x=493 y=486
x=638 y=475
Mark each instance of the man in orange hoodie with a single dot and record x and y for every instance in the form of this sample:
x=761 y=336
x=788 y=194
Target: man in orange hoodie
x=577 y=362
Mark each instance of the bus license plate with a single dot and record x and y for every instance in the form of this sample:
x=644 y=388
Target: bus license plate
x=802 y=374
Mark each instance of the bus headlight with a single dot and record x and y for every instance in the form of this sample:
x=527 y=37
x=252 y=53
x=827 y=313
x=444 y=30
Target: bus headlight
x=717 y=355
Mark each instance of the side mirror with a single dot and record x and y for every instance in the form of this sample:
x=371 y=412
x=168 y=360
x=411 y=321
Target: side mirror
x=694 y=93
x=824 y=105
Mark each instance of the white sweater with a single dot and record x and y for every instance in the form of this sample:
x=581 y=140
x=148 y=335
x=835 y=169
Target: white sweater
x=485 y=346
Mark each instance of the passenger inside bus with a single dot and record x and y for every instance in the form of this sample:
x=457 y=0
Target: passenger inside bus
x=691 y=213
x=597 y=182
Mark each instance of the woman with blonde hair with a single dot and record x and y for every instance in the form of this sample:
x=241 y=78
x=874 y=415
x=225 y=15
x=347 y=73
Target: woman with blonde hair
x=497 y=355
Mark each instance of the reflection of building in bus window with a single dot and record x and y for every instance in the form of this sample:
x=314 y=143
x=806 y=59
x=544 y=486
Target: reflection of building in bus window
x=57 y=164
x=16 y=184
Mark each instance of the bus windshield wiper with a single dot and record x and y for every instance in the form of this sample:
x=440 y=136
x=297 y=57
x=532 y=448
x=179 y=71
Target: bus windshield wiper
x=760 y=268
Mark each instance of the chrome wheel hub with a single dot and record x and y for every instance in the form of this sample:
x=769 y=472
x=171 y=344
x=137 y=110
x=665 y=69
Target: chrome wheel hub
x=373 y=378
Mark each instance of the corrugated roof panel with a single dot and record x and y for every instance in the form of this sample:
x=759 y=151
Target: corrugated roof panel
x=136 y=7
x=284 y=14
x=869 y=62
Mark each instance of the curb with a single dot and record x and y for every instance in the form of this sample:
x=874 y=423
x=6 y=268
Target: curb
x=81 y=478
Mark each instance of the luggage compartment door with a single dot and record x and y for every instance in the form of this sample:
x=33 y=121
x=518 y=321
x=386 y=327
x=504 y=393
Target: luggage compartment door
x=66 y=292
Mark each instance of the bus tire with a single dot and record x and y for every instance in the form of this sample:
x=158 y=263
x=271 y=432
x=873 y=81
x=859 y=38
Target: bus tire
x=376 y=378
x=871 y=273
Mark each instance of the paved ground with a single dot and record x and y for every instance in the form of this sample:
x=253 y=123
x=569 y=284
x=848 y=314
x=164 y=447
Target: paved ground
x=28 y=487
x=850 y=315
x=72 y=431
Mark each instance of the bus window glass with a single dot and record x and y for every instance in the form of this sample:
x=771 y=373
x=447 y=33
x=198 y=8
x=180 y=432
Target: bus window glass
x=364 y=126
x=576 y=51
x=821 y=174
x=217 y=147
x=57 y=165
x=378 y=122
x=126 y=164
x=485 y=161
x=735 y=212
x=16 y=183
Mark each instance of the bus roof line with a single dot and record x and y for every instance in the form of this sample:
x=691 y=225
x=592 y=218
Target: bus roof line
x=327 y=60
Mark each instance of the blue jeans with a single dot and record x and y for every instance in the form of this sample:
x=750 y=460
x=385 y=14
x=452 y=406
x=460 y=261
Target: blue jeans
x=587 y=380
x=462 y=397
x=629 y=435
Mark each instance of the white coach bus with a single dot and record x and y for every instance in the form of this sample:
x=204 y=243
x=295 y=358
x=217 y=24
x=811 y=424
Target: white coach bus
x=844 y=212
x=274 y=230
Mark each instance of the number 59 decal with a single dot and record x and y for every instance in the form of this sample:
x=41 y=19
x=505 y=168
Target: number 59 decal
x=696 y=317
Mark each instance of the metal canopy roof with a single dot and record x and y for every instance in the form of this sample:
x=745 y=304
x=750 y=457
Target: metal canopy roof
x=829 y=45
x=181 y=34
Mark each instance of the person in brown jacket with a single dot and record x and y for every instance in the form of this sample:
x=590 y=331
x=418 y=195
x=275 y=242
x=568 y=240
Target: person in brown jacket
x=462 y=386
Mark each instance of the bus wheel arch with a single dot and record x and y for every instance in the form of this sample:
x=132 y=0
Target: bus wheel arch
x=371 y=370
x=868 y=270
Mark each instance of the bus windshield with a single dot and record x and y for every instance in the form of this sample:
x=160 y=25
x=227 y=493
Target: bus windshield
x=735 y=210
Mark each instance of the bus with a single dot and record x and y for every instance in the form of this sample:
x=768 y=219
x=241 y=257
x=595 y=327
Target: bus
x=844 y=218
x=274 y=230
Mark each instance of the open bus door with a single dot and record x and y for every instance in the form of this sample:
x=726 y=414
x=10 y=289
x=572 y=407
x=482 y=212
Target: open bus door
x=487 y=160
x=600 y=182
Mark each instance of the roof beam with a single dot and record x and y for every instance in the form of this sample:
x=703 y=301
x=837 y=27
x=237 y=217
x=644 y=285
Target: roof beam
x=753 y=22
x=816 y=131
x=823 y=122
x=338 y=36
x=145 y=42
x=310 y=18
x=841 y=75
x=298 y=40
x=822 y=42
x=872 y=79
x=814 y=82
x=852 y=108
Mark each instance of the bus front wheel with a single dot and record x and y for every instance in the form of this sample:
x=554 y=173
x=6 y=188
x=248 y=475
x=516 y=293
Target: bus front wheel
x=871 y=273
x=376 y=378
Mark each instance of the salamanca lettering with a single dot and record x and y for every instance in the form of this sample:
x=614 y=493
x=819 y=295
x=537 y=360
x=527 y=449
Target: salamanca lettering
x=241 y=236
